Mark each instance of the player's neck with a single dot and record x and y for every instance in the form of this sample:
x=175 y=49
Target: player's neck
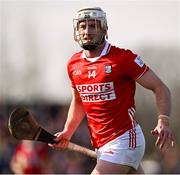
x=96 y=52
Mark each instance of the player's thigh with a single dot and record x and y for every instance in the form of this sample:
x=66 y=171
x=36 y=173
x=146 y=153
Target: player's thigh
x=138 y=171
x=104 y=167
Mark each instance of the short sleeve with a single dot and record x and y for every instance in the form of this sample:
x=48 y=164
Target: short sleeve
x=135 y=66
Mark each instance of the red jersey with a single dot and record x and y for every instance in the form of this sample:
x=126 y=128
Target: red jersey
x=107 y=89
x=29 y=158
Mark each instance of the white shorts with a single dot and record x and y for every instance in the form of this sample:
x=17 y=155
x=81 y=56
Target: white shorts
x=127 y=149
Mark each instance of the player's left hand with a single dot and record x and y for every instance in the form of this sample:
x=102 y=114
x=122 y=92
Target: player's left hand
x=165 y=138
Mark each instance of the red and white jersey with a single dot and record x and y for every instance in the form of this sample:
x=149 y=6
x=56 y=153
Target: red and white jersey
x=107 y=88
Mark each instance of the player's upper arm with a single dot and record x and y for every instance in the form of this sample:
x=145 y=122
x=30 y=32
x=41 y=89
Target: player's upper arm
x=150 y=81
x=76 y=95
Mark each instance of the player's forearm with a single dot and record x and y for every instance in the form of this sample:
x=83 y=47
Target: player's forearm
x=75 y=116
x=163 y=100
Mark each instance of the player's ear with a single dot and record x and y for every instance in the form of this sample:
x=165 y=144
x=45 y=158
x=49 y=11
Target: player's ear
x=106 y=36
x=75 y=39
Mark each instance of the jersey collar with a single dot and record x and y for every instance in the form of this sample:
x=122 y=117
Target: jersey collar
x=105 y=51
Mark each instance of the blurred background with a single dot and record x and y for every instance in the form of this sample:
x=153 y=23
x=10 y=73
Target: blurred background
x=36 y=43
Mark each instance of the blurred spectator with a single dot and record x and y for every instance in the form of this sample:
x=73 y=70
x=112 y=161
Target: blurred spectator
x=151 y=166
x=166 y=161
x=29 y=158
x=170 y=161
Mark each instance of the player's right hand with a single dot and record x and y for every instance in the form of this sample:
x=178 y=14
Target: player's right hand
x=62 y=140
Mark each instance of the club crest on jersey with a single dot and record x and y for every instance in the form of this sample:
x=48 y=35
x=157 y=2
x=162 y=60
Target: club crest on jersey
x=138 y=61
x=108 y=69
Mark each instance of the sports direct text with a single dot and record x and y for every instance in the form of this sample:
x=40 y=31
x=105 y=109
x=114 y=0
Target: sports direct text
x=96 y=92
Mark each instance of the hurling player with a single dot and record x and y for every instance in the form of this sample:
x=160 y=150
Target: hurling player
x=103 y=79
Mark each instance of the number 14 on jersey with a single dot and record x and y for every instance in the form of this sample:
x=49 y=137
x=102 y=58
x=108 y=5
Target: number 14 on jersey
x=91 y=73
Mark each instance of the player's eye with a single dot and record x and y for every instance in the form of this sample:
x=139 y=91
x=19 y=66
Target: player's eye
x=82 y=26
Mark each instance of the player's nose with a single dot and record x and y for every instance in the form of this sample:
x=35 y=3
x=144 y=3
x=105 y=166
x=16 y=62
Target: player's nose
x=86 y=30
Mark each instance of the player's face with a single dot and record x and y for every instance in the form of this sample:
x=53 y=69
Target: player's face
x=90 y=31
